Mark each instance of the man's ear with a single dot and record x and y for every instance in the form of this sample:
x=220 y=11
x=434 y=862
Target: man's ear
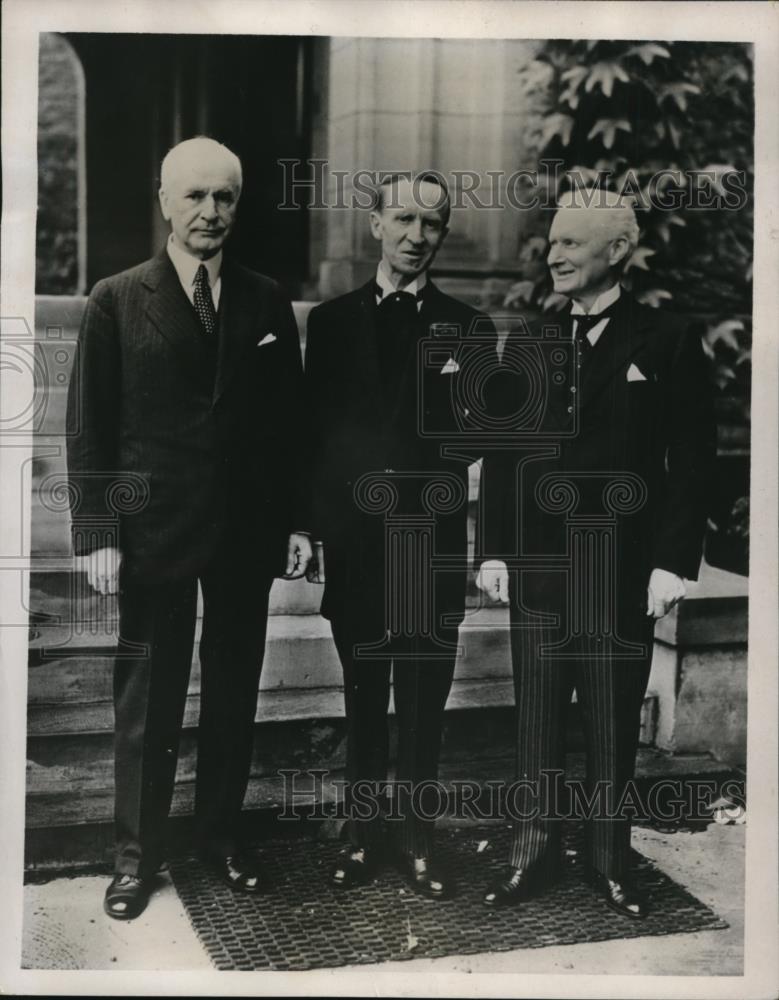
x=376 y=229
x=619 y=251
x=162 y=195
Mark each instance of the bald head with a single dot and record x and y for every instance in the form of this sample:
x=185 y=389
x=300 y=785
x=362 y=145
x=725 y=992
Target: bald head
x=200 y=150
x=199 y=191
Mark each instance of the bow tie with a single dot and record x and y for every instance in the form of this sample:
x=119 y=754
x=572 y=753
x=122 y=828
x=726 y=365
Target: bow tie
x=586 y=322
x=398 y=297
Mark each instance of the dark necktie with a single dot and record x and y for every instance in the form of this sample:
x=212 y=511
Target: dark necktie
x=204 y=304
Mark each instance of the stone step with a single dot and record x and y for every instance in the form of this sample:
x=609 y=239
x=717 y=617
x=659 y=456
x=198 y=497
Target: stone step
x=70 y=777
x=70 y=683
x=87 y=839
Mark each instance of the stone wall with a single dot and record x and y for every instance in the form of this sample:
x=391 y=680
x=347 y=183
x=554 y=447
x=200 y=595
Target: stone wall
x=414 y=104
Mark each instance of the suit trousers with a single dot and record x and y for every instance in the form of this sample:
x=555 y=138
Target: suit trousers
x=610 y=692
x=420 y=688
x=151 y=677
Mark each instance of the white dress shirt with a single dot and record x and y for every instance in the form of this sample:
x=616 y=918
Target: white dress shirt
x=603 y=301
x=387 y=288
x=186 y=268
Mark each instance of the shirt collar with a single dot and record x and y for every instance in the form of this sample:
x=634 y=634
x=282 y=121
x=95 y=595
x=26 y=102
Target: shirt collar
x=387 y=288
x=186 y=265
x=603 y=301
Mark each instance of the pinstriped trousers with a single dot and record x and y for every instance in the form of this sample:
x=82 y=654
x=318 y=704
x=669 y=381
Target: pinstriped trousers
x=610 y=693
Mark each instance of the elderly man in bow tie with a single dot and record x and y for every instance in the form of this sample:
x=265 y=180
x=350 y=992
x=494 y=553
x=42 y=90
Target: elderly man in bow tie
x=371 y=397
x=609 y=486
x=186 y=363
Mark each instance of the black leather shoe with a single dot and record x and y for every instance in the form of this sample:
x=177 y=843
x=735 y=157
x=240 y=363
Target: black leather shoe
x=424 y=876
x=355 y=866
x=620 y=895
x=241 y=874
x=517 y=884
x=126 y=897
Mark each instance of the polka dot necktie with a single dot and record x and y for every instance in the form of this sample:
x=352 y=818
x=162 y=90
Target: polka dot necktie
x=204 y=304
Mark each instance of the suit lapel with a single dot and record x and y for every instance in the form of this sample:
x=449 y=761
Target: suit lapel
x=242 y=317
x=366 y=357
x=173 y=315
x=624 y=336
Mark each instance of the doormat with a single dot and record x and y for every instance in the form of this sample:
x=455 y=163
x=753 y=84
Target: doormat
x=304 y=923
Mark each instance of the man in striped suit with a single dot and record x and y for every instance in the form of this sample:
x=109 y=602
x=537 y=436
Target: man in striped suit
x=592 y=523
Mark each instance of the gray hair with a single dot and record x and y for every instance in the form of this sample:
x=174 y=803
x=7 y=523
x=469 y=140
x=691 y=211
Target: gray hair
x=198 y=146
x=442 y=203
x=617 y=217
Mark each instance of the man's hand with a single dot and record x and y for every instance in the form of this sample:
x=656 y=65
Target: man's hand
x=102 y=567
x=298 y=556
x=493 y=580
x=664 y=591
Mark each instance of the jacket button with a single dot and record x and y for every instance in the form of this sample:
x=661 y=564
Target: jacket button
x=570 y=409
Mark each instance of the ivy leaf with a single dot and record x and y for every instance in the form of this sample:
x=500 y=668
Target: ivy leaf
x=638 y=258
x=603 y=74
x=521 y=292
x=534 y=248
x=654 y=297
x=557 y=124
x=573 y=78
x=725 y=333
x=737 y=70
x=608 y=127
x=537 y=75
x=679 y=91
x=575 y=74
x=554 y=301
x=648 y=51
x=663 y=228
x=715 y=172
x=676 y=134
x=722 y=375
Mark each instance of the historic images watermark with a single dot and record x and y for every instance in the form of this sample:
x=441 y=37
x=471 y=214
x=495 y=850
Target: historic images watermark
x=313 y=184
x=317 y=795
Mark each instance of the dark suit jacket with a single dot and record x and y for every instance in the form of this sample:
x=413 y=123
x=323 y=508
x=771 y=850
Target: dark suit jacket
x=351 y=432
x=207 y=456
x=658 y=429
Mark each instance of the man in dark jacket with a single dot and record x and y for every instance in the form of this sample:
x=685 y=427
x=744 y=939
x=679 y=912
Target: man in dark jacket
x=387 y=501
x=593 y=521
x=182 y=452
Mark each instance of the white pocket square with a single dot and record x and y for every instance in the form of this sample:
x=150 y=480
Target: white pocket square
x=450 y=367
x=267 y=339
x=635 y=375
